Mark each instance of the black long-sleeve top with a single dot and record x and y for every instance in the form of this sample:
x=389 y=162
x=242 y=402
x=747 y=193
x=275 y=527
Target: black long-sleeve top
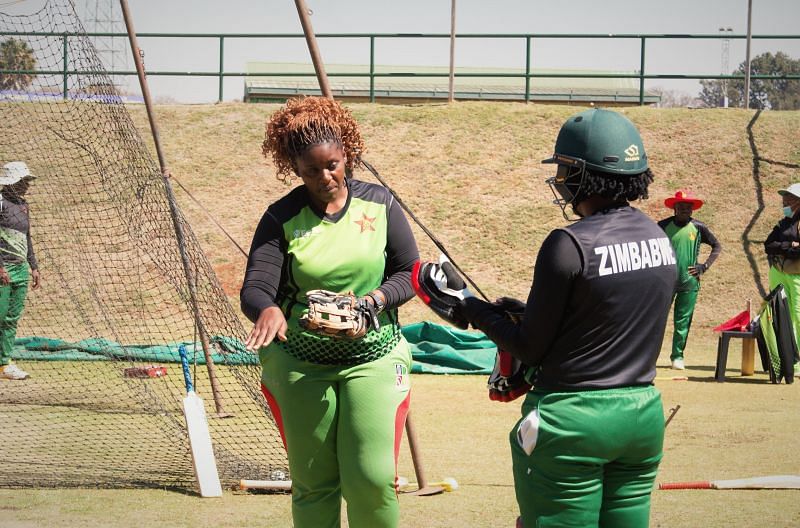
x=778 y=245
x=597 y=308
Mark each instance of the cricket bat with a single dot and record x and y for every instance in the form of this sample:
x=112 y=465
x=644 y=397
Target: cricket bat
x=770 y=482
x=270 y=485
x=205 y=465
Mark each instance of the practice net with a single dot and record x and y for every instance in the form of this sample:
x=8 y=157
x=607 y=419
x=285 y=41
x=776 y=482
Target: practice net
x=100 y=338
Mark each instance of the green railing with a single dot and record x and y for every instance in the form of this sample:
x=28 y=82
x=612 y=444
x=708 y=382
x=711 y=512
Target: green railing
x=525 y=38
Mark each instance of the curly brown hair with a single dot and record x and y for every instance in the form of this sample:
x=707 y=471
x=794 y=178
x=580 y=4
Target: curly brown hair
x=307 y=121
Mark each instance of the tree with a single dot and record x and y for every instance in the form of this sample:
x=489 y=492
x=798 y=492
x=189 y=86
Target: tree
x=674 y=98
x=712 y=92
x=775 y=94
x=16 y=54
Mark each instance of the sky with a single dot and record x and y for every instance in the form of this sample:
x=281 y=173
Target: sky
x=665 y=56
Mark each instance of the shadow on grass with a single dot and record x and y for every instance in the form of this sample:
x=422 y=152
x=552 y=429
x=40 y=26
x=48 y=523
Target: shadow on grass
x=736 y=378
x=746 y=241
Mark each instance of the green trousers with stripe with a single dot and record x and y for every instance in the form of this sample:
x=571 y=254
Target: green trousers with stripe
x=684 y=303
x=587 y=459
x=791 y=285
x=341 y=427
x=12 y=302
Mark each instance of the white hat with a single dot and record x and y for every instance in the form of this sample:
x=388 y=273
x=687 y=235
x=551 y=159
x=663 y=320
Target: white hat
x=793 y=189
x=13 y=172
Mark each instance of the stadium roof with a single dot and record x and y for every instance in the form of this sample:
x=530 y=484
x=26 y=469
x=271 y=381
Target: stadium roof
x=270 y=82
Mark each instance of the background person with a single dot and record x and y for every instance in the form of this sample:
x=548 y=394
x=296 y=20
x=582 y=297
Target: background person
x=16 y=255
x=587 y=448
x=686 y=234
x=783 y=252
x=340 y=404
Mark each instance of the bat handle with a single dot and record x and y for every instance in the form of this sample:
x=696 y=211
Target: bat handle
x=187 y=377
x=702 y=484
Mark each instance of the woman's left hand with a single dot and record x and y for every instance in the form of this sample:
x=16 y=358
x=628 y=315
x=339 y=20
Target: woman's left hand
x=36 y=279
x=270 y=324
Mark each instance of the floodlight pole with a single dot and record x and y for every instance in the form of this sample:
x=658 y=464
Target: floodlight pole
x=173 y=209
x=319 y=68
x=450 y=92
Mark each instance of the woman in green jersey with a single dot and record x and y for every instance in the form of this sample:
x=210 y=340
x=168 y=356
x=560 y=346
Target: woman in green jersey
x=16 y=259
x=340 y=404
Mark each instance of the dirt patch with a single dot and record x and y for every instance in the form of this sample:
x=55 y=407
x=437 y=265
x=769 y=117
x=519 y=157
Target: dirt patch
x=230 y=275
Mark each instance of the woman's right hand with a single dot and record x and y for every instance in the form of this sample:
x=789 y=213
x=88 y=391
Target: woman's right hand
x=270 y=323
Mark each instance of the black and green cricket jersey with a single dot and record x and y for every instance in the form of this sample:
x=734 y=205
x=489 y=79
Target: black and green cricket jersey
x=15 y=234
x=686 y=240
x=366 y=245
x=597 y=308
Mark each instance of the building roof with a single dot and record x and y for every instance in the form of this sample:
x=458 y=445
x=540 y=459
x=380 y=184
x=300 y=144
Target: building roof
x=273 y=82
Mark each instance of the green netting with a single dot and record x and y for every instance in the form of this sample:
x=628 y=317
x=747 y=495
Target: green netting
x=113 y=272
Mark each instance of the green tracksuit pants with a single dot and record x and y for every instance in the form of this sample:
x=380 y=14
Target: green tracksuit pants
x=683 y=310
x=591 y=459
x=341 y=427
x=12 y=302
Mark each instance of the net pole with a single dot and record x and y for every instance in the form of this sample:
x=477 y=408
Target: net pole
x=311 y=40
x=173 y=209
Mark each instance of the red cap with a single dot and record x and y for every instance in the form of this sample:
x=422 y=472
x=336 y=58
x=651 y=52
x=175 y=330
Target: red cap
x=682 y=196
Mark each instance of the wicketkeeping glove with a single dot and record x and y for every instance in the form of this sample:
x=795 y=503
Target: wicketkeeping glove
x=441 y=287
x=339 y=315
x=507 y=381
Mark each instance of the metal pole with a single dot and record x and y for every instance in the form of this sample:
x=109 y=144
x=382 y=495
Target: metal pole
x=641 y=75
x=747 y=56
x=450 y=92
x=311 y=40
x=66 y=68
x=372 y=68
x=173 y=209
x=725 y=62
x=221 y=66
x=528 y=69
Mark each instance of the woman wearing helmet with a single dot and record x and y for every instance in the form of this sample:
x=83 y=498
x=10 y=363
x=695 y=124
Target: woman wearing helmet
x=588 y=445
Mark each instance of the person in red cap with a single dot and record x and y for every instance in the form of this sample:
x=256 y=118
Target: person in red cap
x=686 y=234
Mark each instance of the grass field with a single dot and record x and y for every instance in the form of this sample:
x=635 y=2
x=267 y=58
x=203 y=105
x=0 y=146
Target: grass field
x=471 y=173
x=744 y=427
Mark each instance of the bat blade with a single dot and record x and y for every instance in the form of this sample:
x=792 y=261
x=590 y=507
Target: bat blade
x=770 y=482
x=205 y=465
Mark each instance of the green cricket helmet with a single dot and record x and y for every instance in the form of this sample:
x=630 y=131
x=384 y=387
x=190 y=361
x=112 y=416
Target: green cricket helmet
x=602 y=141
